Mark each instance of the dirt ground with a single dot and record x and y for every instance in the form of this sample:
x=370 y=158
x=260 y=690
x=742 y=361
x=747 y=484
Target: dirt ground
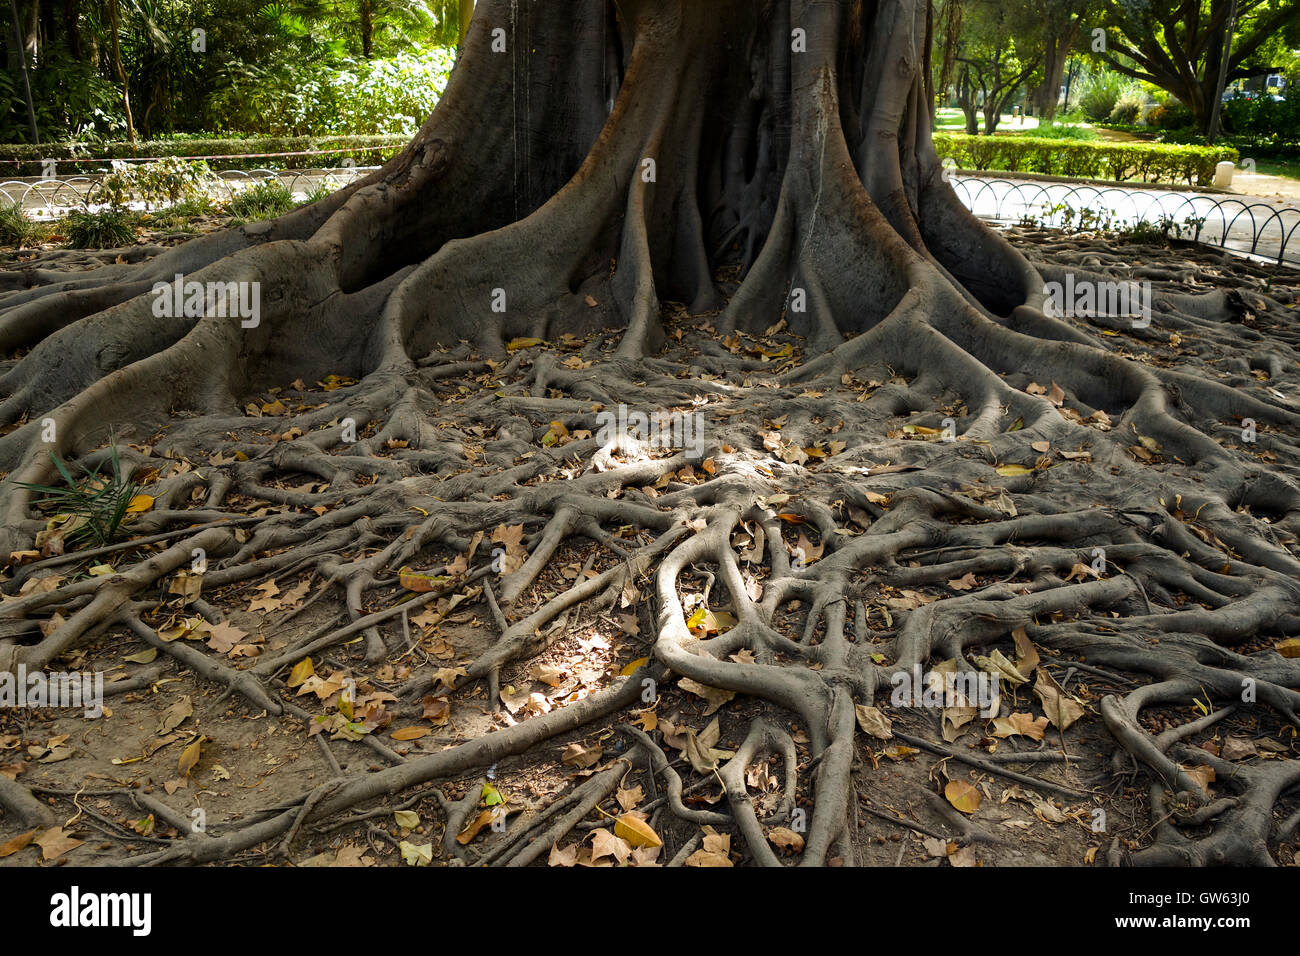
x=187 y=750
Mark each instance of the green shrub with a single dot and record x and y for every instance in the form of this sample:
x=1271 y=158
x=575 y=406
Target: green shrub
x=182 y=213
x=1149 y=162
x=18 y=229
x=264 y=200
x=107 y=229
x=1061 y=131
x=1171 y=115
x=83 y=157
x=1100 y=93
x=1265 y=123
x=91 y=508
x=393 y=95
x=319 y=192
x=167 y=180
x=1128 y=107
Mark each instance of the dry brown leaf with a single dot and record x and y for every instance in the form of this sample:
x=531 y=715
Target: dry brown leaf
x=576 y=755
x=1061 y=709
x=54 y=842
x=874 y=722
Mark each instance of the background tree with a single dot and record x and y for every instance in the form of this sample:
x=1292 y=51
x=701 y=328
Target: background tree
x=995 y=53
x=1179 y=45
x=1060 y=25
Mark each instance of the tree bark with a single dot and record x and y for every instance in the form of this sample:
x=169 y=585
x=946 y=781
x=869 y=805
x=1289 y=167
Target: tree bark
x=466 y=12
x=601 y=182
x=114 y=30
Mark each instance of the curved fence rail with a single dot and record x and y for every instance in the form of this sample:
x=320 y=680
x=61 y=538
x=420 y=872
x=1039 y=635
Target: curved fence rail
x=1242 y=224
x=45 y=199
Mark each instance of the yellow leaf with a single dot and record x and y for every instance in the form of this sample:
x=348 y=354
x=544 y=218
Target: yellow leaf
x=1288 y=648
x=419 y=583
x=633 y=667
x=636 y=831
x=1011 y=471
x=783 y=838
x=410 y=733
x=962 y=795
x=416 y=855
x=301 y=671
x=16 y=844
x=517 y=344
x=139 y=504
x=190 y=756
x=484 y=819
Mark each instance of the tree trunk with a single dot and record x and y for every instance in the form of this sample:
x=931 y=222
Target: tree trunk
x=1048 y=93
x=992 y=113
x=72 y=27
x=466 y=12
x=114 y=31
x=623 y=205
x=21 y=50
x=365 y=11
x=966 y=98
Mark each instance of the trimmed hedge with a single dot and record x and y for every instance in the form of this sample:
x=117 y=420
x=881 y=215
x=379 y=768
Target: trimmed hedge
x=1085 y=159
x=89 y=157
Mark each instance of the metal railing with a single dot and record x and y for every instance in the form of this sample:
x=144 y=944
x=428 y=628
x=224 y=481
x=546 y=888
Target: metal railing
x=1242 y=224
x=54 y=198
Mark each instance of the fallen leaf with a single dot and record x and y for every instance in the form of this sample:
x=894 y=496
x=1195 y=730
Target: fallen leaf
x=410 y=733
x=605 y=843
x=628 y=799
x=576 y=755
x=190 y=756
x=1288 y=648
x=17 y=843
x=476 y=826
x=633 y=828
x=1026 y=653
x=963 y=795
x=783 y=838
x=54 y=842
x=301 y=671
x=413 y=855
x=715 y=696
x=1026 y=725
x=175 y=715
x=406 y=819
x=514 y=345
x=1061 y=709
x=566 y=857
x=874 y=722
